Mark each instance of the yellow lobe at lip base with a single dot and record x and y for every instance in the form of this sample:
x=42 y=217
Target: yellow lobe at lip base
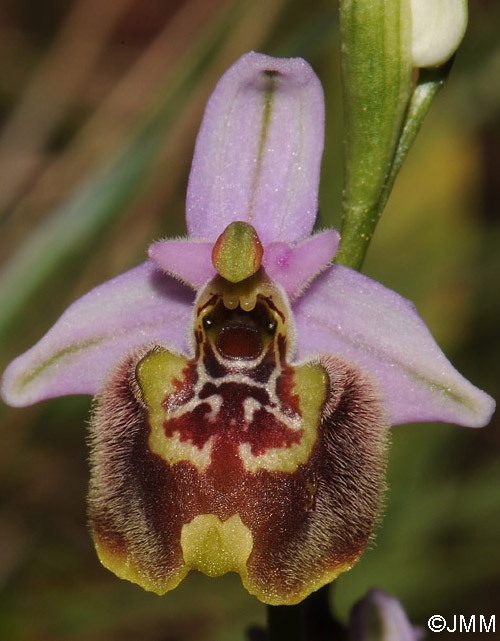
x=215 y=547
x=237 y=253
x=157 y=374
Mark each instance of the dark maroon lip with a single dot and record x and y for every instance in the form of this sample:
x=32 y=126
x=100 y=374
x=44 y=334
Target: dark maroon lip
x=239 y=341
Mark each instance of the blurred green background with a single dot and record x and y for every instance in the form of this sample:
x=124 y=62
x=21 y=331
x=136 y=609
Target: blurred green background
x=100 y=102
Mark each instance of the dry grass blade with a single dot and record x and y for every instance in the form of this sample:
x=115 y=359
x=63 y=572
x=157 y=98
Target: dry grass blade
x=54 y=87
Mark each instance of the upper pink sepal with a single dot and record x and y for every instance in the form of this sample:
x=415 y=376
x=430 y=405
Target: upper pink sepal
x=293 y=267
x=190 y=261
x=350 y=314
x=258 y=153
x=137 y=307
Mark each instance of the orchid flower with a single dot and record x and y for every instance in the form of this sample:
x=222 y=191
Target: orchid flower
x=243 y=383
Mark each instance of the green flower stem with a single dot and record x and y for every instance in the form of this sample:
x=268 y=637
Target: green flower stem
x=310 y=620
x=358 y=227
x=284 y=622
x=377 y=77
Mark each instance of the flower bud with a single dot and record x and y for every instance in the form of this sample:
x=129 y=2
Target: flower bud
x=438 y=27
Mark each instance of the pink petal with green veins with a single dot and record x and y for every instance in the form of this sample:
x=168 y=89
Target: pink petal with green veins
x=138 y=307
x=348 y=314
x=258 y=153
x=190 y=261
x=293 y=267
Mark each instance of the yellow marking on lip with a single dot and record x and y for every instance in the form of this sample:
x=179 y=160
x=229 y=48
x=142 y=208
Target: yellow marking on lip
x=156 y=374
x=311 y=385
x=173 y=450
x=215 y=547
x=124 y=564
x=271 y=597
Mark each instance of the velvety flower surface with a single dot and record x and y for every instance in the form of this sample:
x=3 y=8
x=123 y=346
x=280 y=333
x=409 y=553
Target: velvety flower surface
x=243 y=383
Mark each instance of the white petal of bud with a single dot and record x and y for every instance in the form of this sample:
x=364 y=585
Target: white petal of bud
x=438 y=27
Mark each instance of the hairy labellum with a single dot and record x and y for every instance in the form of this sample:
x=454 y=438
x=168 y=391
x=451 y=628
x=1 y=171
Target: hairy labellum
x=235 y=459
